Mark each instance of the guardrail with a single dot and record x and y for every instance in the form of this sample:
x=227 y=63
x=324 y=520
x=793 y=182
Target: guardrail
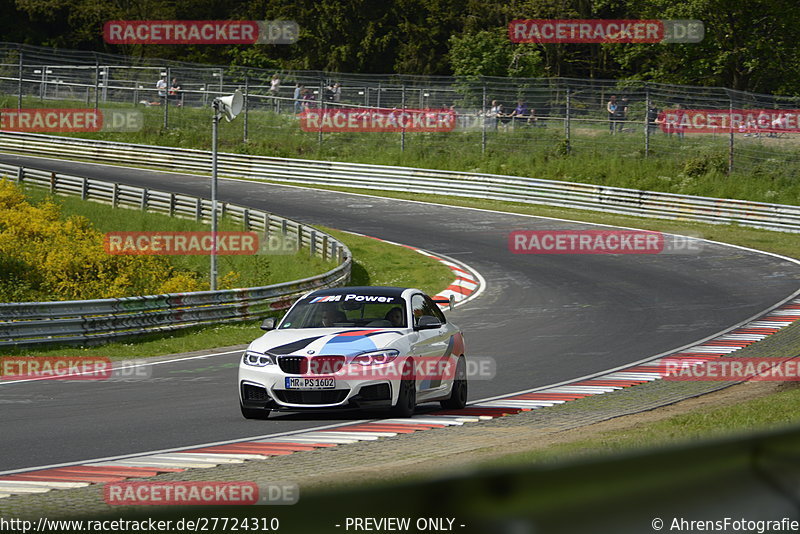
x=779 y=217
x=93 y=321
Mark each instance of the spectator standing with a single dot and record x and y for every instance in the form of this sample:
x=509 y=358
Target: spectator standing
x=494 y=113
x=298 y=95
x=612 y=107
x=161 y=87
x=175 y=92
x=337 y=92
x=521 y=114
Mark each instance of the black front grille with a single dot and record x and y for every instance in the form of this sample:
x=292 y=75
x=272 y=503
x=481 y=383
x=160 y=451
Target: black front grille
x=254 y=393
x=325 y=365
x=293 y=365
x=316 y=365
x=332 y=396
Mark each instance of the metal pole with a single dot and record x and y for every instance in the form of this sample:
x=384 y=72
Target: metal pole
x=214 y=138
x=403 y=106
x=96 y=84
x=246 y=92
x=319 y=133
x=567 y=121
x=647 y=106
x=730 y=140
x=483 y=116
x=19 y=83
x=166 y=100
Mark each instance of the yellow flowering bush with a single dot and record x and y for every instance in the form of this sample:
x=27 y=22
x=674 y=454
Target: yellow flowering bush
x=45 y=257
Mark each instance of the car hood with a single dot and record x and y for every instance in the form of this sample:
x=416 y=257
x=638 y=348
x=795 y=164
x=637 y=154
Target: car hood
x=325 y=341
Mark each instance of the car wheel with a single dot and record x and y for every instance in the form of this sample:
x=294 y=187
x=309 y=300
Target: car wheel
x=458 y=395
x=407 y=399
x=254 y=413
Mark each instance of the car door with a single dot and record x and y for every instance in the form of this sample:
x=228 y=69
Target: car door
x=430 y=346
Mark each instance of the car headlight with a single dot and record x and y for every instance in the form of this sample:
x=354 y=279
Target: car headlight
x=377 y=357
x=258 y=360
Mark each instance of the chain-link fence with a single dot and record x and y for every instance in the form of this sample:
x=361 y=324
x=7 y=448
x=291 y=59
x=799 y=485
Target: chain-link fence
x=507 y=115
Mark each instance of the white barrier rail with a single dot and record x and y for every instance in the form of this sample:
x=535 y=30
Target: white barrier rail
x=92 y=321
x=779 y=217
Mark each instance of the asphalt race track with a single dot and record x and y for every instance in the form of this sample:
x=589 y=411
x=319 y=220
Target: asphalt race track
x=544 y=318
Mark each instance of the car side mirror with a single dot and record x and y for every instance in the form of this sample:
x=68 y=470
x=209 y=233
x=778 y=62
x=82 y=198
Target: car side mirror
x=428 y=322
x=268 y=324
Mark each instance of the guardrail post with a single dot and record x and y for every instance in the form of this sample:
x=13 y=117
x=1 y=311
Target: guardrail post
x=145 y=194
x=198 y=210
x=334 y=249
x=266 y=225
x=246 y=220
x=299 y=236
x=114 y=195
x=171 y=204
x=53 y=185
x=324 y=247
x=223 y=210
x=84 y=188
x=20 y=174
x=284 y=228
x=312 y=243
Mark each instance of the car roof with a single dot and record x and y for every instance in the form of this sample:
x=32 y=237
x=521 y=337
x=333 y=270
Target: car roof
x=388 y=291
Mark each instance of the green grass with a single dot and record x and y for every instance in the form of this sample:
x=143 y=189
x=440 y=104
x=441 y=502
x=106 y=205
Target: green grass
x=772 y=411
x=375 y=263
x=765 y=169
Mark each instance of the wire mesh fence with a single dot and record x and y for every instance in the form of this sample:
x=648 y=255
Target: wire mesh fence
x=560 y=116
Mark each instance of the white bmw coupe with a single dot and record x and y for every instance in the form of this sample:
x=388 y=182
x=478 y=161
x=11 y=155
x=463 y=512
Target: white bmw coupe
x=356 y=348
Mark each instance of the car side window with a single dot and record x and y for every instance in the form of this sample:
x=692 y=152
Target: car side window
x=417 y=308
x=432 y=309
x=422 y=305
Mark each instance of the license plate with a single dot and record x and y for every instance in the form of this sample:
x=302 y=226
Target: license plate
x=310 y=383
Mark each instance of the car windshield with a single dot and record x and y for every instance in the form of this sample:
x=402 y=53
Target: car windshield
x=356 y=311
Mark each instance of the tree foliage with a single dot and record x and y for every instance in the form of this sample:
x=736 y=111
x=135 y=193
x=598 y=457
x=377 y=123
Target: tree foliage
x=749 y=44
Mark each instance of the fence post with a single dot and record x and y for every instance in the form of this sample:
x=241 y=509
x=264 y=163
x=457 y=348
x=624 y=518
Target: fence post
x=483 y=121
x=319 y=133
x=19 y=83
x=246 y=92
x=403 y=106
x=166 y=100
x=647 y=106
x=730 y=138
x=567 y=116
x=96 y=83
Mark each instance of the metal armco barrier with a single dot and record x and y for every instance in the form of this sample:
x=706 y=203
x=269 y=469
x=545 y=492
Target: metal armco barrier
x=92 y=321
x=779 y=217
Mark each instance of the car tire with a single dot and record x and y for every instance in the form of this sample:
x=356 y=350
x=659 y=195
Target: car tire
x=407 y=398
x=254 y=413
x=458 y=395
